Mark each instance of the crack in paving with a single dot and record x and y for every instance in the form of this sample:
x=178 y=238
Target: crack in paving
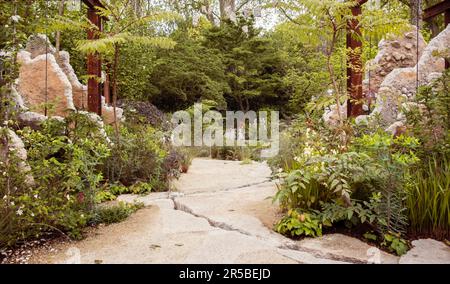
x=221 y=225
x=287 y=246
x=318 y=254
x=199 y=192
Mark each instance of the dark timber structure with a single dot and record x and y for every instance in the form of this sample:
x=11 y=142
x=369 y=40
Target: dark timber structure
x=354 y=69
x=94 y=64
x=440 y=8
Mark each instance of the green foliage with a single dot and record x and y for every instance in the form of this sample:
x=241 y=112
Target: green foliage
x=353 y=181
x=306 y=75
x=428 y=186
x=428 y=199
x=254 y=67
x=138 y=154
x=297 y=224
x=104 y=195
x=429 y=119
x=141 y=188
x=236 y=153
x=357 y=213
x=394 y=243
x=187 y=74
x=370 y=236
x=63 y=161
x=110 y=214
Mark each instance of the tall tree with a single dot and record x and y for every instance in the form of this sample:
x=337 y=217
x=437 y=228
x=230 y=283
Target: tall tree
x=254 y=66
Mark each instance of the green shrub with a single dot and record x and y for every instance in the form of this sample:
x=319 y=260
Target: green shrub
x=322 y=178
x=297 y=224
x=428 y=186
x=428 y=199
x=355 y=181
x=394 y=243
x=64 y=161
x=359 y=212
x=104 y=195
x=116 y=213
x=137 y=154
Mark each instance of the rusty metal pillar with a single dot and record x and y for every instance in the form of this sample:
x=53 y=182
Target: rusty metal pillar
x=354 y=69
x=94 y=66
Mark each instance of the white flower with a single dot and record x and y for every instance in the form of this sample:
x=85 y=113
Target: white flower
x=12 y=203
x=307 y=151
x=68 y=197
x=36 y=196
x=32 y=214
x=15 y=18
x=20 y=212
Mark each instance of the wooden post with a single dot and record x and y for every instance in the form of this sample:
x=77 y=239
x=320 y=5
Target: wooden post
x=94 y=67
x=354 y=70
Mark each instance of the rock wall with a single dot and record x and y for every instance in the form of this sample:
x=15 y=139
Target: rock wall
x=15 y=144
x=42 y=70
x=79 y=91
x=395 y=53
x=42 y=83
x=399 y=86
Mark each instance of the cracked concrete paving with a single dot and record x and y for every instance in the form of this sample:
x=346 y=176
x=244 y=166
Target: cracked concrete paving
x=222 y=212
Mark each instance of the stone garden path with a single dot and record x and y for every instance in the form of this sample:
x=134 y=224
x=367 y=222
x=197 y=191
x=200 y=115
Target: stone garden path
x=221 y=212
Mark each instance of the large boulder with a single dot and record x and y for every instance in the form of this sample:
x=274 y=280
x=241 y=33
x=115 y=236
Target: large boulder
x=47 y=78
x=331 y=116
x=14 y=144
x=42 y=83
x=401 y=84
x=79 y=91
x=108 y=113
x=31 y=119
x=393 y=53
x=39 y=44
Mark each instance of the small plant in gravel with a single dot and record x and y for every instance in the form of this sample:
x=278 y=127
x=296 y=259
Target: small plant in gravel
x=115 y=213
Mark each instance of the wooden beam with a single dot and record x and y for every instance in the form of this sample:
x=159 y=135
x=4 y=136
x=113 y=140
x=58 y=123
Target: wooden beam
x=435 y=10
x=354 y=71
x=94 y=66
x=93 y=3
